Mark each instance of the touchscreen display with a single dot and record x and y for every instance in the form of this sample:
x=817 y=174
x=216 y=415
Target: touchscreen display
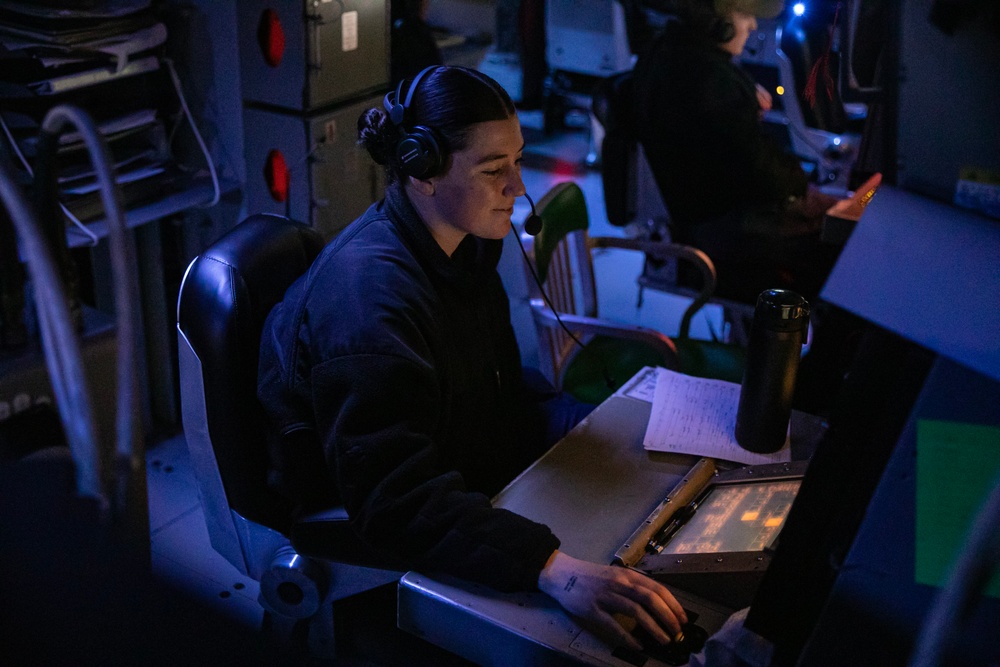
x=736 y=517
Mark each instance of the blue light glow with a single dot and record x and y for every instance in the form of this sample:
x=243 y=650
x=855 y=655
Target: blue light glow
x=799 y=8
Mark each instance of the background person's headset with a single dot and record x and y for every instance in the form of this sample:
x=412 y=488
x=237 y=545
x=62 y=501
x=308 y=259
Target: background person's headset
x=418 y=152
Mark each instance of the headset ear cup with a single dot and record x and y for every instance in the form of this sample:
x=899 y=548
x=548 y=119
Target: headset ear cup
x=419 y=153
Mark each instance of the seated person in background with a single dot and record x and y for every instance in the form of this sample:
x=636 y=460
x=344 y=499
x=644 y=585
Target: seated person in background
x=394 y=360
x=730 y=191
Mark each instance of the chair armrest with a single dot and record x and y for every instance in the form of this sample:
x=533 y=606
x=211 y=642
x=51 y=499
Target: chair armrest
x=662 y=250
x=328 y=535
x=580 y=324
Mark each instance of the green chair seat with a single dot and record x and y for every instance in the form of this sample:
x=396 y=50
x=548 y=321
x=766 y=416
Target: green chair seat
x=607 y=358
x=709 y=359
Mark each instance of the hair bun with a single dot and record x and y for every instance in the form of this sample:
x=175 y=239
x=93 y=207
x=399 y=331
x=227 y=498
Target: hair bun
x=377 y=135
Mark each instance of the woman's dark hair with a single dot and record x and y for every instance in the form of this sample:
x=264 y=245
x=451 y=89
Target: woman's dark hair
x=448 y=101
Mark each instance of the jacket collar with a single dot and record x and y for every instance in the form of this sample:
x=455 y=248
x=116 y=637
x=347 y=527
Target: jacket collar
x=474 y=257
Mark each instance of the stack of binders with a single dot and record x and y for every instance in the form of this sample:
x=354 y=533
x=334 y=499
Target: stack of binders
x=107 y=60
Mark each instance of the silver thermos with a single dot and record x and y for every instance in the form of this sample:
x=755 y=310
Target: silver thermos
x=780 y=322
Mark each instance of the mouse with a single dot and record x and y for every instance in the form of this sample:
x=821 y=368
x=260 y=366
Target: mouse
x=691 y=639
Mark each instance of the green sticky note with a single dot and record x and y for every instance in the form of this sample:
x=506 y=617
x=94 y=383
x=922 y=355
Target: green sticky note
x=956 y=466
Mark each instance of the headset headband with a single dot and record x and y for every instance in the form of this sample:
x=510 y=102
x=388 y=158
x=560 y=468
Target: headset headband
x=397 y=113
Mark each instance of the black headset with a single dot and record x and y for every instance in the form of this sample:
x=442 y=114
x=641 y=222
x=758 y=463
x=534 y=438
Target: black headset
x=419 y=153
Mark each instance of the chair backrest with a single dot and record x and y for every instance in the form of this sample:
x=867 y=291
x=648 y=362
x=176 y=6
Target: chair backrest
x=606 y=49
x=560 y=254
x=612 y=105
x=226 y=294
x=804 y=48
x=631 y=194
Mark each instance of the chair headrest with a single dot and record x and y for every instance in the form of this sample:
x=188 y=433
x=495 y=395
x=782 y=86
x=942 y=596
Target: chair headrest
x=259 y=259
x=564 y=210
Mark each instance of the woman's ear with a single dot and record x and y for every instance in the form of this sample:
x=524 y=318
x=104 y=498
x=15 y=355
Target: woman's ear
x=424 y=187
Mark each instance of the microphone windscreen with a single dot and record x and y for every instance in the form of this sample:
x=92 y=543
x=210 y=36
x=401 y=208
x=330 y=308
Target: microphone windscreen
x=533 y=224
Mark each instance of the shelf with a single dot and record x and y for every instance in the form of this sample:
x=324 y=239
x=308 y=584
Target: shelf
x=199 y=192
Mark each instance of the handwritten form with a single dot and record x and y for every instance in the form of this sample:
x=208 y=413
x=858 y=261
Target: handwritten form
x=692 y=415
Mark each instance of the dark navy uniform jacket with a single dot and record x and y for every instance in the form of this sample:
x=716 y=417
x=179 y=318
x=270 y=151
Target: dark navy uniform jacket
x=400 y=363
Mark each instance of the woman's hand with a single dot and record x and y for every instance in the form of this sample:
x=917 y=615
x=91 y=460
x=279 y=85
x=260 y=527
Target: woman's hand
x=764 y=100
x=594 y=593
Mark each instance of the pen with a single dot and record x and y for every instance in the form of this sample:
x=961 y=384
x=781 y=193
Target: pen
x=682 y=516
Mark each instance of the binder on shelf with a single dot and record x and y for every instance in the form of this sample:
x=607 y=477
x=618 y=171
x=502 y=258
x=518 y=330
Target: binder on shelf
x=59 y=84
x=51 y=56
x=33 y=25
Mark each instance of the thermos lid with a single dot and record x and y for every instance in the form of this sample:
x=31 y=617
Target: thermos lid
x=782 y=310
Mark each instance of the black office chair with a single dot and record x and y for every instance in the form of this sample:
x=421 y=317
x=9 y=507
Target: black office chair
x=632 y=200
x=303 y=565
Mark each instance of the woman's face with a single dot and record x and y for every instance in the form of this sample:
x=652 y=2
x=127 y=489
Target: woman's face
x=476 y=194
x=744 y=24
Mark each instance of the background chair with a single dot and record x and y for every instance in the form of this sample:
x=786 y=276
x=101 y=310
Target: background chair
x=224 y=299
x=561 y=257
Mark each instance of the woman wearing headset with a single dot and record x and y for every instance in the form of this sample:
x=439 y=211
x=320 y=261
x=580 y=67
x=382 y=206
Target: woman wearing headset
x=730 y=190
x=395 y=353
